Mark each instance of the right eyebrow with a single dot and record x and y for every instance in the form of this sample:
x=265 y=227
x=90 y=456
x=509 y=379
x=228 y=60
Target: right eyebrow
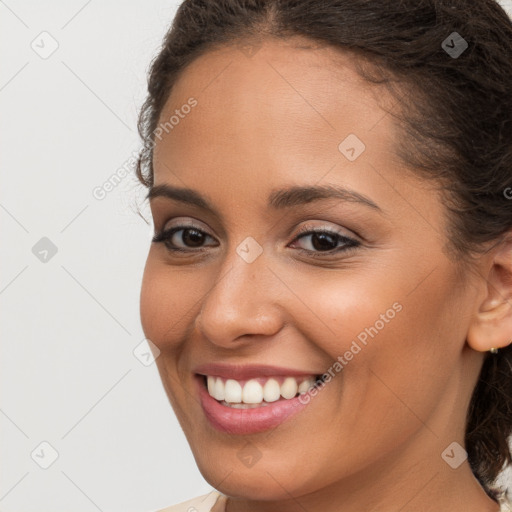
x=184 y=195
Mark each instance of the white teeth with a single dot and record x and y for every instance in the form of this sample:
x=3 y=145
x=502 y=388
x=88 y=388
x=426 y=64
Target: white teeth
x=218 y=390
x=271 y=390
x=232 y=393
x=252 y=392
x=289 y=388
x=211 y=385
x=305 y=385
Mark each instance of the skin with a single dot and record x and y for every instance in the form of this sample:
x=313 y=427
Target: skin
x=372 y=439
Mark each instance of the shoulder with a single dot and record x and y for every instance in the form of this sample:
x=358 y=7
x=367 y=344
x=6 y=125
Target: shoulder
x=202 y=503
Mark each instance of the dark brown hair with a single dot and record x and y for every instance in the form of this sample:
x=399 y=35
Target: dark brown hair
x=455 y=115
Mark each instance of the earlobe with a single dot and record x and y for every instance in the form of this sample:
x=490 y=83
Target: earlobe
x=491 y=329
x=491 y=325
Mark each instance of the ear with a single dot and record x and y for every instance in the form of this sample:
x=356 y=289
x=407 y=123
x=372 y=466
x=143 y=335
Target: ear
x=491 y=324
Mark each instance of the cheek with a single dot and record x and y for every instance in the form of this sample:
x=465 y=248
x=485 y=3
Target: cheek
x=396 y=341
x=164 y=303
x=388 y=313
x=346 y=311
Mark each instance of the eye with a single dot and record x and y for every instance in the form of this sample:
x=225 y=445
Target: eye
x=190 y=238
x=324 y=242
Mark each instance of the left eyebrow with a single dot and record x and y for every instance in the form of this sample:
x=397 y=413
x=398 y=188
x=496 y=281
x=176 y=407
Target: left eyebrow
x=296 y=196
x=279 y=199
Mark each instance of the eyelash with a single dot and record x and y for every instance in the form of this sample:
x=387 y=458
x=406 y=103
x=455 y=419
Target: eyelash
x=165 y=236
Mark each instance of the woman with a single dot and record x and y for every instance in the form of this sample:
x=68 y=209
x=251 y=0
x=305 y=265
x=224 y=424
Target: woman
x=330 y=281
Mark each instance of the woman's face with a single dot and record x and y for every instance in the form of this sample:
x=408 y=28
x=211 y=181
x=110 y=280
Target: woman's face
x=248 y=288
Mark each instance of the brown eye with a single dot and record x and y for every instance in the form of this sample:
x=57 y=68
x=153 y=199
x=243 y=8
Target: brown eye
x=190 y=238
x=326 y=242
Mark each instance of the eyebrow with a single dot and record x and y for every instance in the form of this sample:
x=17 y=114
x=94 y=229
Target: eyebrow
x=278 y=199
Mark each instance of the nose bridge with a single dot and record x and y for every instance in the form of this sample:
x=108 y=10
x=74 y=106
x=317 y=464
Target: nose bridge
x=240 y=300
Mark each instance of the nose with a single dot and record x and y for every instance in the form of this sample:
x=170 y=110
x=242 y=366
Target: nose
x=244 y=300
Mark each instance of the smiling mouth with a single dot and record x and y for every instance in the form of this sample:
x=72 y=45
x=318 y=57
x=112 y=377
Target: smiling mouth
x=258 y=391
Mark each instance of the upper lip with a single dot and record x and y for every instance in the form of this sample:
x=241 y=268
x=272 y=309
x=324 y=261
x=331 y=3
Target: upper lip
x=249 y=371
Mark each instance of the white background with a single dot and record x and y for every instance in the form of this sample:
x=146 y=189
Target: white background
x=69 y=325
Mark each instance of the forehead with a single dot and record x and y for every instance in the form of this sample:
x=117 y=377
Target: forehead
x=274 y=112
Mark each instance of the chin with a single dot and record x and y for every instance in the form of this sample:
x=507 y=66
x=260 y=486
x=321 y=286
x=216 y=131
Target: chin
x=260 y=482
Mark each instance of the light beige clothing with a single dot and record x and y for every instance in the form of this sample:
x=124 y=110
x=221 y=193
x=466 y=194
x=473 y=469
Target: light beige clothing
x=212 y=502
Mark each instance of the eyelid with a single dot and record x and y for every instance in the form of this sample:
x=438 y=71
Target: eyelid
x=306 y=228
x=177 y=223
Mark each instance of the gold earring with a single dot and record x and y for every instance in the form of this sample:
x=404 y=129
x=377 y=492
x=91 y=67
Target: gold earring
x=493 y=350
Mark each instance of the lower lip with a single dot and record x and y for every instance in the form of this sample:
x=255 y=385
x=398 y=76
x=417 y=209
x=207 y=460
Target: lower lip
x=247 y=421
